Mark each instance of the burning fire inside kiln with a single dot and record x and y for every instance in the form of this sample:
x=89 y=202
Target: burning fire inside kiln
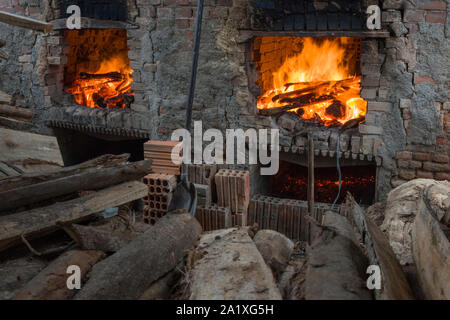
x=98 y=72
x=315 y=78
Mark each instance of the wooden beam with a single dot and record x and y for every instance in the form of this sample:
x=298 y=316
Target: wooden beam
x=18 y=145
x=15 y=112
x=27 y=179
x=89 y=179
x=41 y=221
x=245 y=35
x=25 y=22
x=88 y=23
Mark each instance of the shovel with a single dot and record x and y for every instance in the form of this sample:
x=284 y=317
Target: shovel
x=185 y=195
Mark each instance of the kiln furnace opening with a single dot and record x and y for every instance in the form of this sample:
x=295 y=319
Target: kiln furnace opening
x=291 y=182
x=98 y=72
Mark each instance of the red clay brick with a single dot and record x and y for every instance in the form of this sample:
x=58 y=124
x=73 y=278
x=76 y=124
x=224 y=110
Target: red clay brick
x=422 y=79
x=441 y=140
x=183 y=13
x=442 y=176
x=431 y=4
x=404 y=155
x=436 y=167
x=421 y=156
x=436 y=17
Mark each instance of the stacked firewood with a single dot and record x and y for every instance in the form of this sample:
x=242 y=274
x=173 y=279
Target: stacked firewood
x=32 y=204
x=160 y=152
x=160 y=191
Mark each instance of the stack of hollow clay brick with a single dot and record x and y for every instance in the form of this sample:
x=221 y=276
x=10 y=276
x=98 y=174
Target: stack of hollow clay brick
x=160 y=152
x=160 y=191
x=213 y=217
x=285 y=215
x=233 y=191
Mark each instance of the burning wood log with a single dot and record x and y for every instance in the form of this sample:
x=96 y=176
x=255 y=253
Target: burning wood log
x=41 y=221
x=129 y=272
x=116 y=76
x=352 y=123
x=328 y=86
x=336 y=109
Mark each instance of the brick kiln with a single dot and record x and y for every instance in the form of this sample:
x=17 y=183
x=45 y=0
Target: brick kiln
x=300 y=66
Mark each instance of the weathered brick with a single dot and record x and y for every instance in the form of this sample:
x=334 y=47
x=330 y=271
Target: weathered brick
x=366 y=129
x=436 y=167
x=379 y=106
x=183 y=13
x=406 y=114
x=425 y=174
x=442 y=176
x=391 y=16
x=412 y=15
x=403 y=155
x=436 y=17
x=440 y=158
x=409 y=164
x=407 y=174
x=423 y=79
x=421 y=156
x=164 y=12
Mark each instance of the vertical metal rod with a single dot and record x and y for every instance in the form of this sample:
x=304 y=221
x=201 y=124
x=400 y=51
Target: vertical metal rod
x=198 y=30
x=310 y=175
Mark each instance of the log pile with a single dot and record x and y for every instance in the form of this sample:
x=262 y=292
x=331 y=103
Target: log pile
x=36 y=194
x=11 y=116
x=160 y=152
x=160 y=192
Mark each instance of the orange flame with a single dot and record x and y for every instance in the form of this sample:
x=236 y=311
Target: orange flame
x=323 y=69
x=108 y=89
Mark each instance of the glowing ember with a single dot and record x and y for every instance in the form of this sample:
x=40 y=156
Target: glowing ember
x=291 y=182
x=319 y=81
x=101 y=75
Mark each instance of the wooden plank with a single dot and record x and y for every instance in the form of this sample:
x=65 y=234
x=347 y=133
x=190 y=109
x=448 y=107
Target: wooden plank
x=40 y=221
x=15 y=112
x=25 y=22
x=18 y=145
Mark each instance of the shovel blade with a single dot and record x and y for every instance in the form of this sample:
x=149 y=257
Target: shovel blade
x=184 y=197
